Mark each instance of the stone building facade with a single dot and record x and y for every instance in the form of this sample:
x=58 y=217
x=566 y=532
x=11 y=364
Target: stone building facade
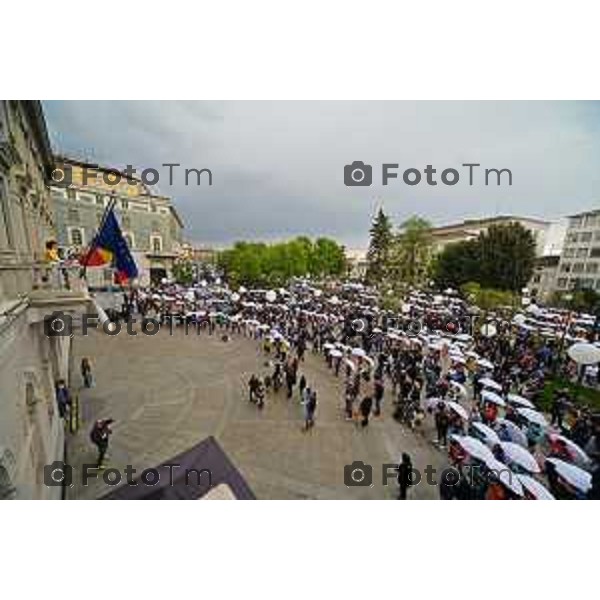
x=31 y=432
x=150 y=222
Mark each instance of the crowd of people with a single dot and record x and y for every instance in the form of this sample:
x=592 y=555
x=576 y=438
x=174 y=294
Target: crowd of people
x=477 y=380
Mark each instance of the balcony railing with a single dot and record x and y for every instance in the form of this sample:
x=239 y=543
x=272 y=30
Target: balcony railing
x=59 y=278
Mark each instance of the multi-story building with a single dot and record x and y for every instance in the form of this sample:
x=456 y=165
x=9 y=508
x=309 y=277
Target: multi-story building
x=357 y=263
x=150 y=222
x=31 y=431
x=548 y=235
x=543 y=281
x=579 y=265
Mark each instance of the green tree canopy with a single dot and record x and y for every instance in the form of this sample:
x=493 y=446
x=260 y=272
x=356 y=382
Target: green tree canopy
x=500 y=258
x=379 y=248
x=254 y=263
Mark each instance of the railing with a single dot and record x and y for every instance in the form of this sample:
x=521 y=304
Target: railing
x=59 y=277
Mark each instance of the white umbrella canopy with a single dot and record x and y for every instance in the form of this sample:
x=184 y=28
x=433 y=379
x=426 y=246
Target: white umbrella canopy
x=336 y=354
x=520 y=401
x=490 y=383
x=534 y=488
x=512 y=430
x=431 y=403
x=369 y=360
x=507 y=477
x=358 y=352
x=533 y=416
x=477 y=449
x=492 y=397
x=484 y=433
x=485 y=363
x=584 y=354
x=574 y=476
x=459 y=387
x=579 y=457
x=458 y=409
x=328 y=346
x=516 y=454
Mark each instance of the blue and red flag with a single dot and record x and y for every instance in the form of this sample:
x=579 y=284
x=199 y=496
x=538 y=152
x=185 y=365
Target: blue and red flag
x=110 y=247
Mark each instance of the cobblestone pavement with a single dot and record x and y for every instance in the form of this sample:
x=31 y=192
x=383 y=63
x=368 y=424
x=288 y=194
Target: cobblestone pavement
x=167 y=393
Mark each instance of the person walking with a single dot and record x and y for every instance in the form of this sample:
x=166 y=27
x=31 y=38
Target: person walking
x=310 y=408
x=86 y=373
x=365 y=410
x=63 y=398
x=404 y=476
x=99 y=435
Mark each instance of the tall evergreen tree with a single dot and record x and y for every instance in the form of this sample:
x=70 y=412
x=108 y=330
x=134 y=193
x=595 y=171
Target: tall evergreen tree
x=379 y=248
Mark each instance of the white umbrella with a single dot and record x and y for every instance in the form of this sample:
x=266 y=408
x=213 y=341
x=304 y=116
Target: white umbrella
x=336 y=354
x=484 y=433
x=486 y=364
x=328 y=346
x=433 y=402
x=584 y=353
x=473 y=447
x=458 y=409
x=520 y=401
x=486 y=382
x=271 y=296
x=462 y=390
x=578 y=454
x=350 y=364
x=520 y=456
x=515 y=433
x=578 y=478
x=358 y=352
x=507 y=477
x=533 y=416
x=492 y=397
x=534 y=487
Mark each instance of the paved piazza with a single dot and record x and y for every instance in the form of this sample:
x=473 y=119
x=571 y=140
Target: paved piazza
x=167 y=393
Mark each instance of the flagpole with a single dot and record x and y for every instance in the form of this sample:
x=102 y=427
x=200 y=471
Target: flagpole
x=91 y=247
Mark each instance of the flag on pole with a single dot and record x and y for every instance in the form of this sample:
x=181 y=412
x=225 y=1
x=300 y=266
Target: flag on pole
x=110 y=247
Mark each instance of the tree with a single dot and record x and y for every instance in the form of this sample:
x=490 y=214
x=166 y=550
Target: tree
x=501 y=258
x=457 y=264
x=183 y=272
x=259 y=264
x=379 y=248
x=411 y=251
x=507 y=255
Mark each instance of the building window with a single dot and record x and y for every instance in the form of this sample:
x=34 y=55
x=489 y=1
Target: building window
x=577 y=267
x=576 y=221
x=586 y=236
x=565 y=268
x=124 y=205
x=73 y=215
x=569 y=253
x=582 y=252
x=537 y=278
x=58 y=194
x=76 y=237
x=586 y=283
x=571 y=238
x=562 y=282
x=156 y=243
x=85 y=197
x=129 y=239
x=591 y=268
x=595 y=252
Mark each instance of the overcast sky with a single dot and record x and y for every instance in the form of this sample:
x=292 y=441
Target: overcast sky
x=278 y=166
